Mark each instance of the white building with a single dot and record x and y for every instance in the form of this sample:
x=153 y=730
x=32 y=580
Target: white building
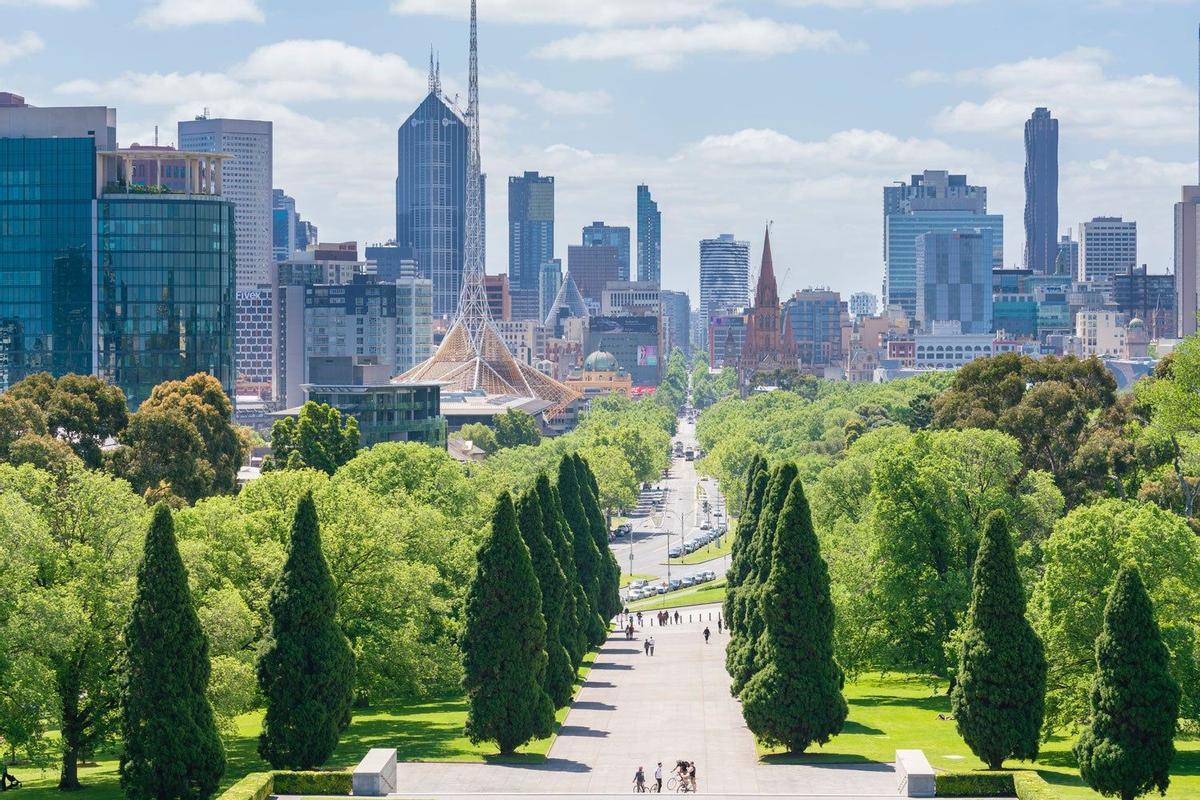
x=946 y=347
x=1099 y=333
x=724 y=276
x=630 y=299
x=863 y=304
x=1107 y=247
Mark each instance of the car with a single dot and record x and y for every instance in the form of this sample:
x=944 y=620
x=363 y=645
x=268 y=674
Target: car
x=674 y=584
x=688 y=581
x=675 y=552
x=637 y=585
x=704 y=526
x=709 y=575
x=634 y=594
x=659 y=589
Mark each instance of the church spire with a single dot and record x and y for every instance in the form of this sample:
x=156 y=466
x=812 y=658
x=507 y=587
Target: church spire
x=766 y=294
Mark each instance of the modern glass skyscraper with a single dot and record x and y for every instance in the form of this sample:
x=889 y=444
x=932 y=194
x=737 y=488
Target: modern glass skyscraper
x=724 y=276
x=1041 y=192
x=954 y=279
x=530 y=240
x=283 y=225
x=600 y=235
x=649 y=237
x=677 y=321
x=431 y=194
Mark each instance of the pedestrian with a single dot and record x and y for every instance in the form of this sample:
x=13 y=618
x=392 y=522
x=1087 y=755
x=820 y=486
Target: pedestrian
x=629 y=631
x=658 y=778
x=718 y=622
x=678 y=618
x=706 y=634
x=639 y=616
x=646 y=646
x=652 y=645
x=639 y=780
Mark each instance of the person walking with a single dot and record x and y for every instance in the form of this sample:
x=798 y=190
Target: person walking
x=706 y=634
x=639 y=617
x=639 y=780
x=651 y=640
x=718 y=622
x=658 y=778
x=646 y=646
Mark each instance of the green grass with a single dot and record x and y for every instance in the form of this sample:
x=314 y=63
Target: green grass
x=423 y=731
x=891 y=712
x=627 y=579
x=710 y=552
x=703 y=594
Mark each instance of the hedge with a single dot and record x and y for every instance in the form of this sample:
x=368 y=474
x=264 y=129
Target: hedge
x=1031 y=786
x=974 y=784
x=311 y=783
x=255 y=786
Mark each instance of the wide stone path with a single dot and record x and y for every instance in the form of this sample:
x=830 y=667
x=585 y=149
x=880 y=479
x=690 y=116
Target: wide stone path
x=638 y=710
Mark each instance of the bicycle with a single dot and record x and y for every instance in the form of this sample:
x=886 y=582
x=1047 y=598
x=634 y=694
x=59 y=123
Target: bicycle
x=677 y=785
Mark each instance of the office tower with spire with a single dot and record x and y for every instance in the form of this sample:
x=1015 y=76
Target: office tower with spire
x=530 y=241
x=431 y=192
x=473 y=356
x=649 y=237
x=1041 y=192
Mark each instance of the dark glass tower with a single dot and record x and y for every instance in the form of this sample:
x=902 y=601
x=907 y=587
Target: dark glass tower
x=649 y=237
x=431 y=195
x=530 y=228
x=1041 y=192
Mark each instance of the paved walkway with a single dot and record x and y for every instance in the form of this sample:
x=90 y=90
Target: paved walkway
x=637 y=710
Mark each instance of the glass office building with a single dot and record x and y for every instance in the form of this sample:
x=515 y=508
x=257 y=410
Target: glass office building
x=165 y=290
x=46 y=190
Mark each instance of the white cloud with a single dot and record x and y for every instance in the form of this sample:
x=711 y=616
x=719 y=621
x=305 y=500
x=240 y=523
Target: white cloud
x=884 y=5
x=69 y=5
x=583 y=13
x=558 y=101
x=181 y=13
x=1147 y=108
x=664 y=48
x=300 y=69
x=25 y=44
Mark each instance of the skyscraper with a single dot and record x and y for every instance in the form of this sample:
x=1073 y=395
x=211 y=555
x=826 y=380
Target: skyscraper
x=283 y=225
x=954 y=280
x=938 y=202
x=677 y=321
x=248 y=183
x=431 y=193
x=1041 y=192
x=600 y=235
x=724 y=275
x=649 y=237
x=530 y=240
x=592 y=267
x=1107 y=247
x=1187 y=259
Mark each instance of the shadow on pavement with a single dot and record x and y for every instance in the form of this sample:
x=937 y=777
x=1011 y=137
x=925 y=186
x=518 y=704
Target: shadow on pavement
x=581 y=730
x=593 y=705
x=611 y=666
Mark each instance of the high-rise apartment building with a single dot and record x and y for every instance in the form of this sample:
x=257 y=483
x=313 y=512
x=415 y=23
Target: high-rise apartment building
x=1148 y=297
x=1066 y=262
x=600 y=235
x=247 y=181
x=99 y=278
x=592 y=267
x=1041 y=192
x=954 y=280
x=933 y=202
x=283 y=225
x=499 y=299
x=677 y=321
x=1107 y=247
x=550 y=278
x=1187 y=258
x=391 y=261
x=649 y=237
x=724 y=276
x=431 y=191
x=815 y=318
x=530 y=228
x=863 y=304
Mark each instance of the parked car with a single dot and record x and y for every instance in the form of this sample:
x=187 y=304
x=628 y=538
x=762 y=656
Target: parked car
x=674 y=584
x=688 y=581
x=705 y=526
x=675 y=552
x=709 y=575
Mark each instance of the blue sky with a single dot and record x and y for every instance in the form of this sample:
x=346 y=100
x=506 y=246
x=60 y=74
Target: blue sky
x=734 y=111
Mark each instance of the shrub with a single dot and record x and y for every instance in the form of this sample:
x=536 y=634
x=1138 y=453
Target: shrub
x=311 y=783
x=1030 y=786
x=255 y=786
x=974 y=784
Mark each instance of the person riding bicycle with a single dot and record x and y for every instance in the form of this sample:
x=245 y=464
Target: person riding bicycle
x=681 y=773
x=692 y=775
x=639 y=780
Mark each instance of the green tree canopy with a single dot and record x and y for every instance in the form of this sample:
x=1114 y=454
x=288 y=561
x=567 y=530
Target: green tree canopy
x=515 y=428
x=83 y=409
x=577 y=610
x=560 y=672
x=588 y=563
x=480 y=435
x=317 y=438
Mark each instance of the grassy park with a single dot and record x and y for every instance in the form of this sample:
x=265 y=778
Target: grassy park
x=703 y=594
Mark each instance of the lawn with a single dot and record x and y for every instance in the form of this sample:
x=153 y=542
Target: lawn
x=710 y=552
x=892 y=712
x=424 y=731
x=704 y=594
x=627 y=579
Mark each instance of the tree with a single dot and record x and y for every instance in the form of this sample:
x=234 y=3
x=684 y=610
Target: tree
x=610 y=570
x=480 y=435
x=504 y=641
x=83 y=409
x=999 y=695
x=163 y=451
x=560 y=673
x=44 y=452
x=617 y=484
x=306 y=673
x=576 y=608
x=1127 y=748
x=19 y=417
x=795 y=697
x=171 y=748
x=756 y=484
x=587 y=556
x=317 y=438
x=515 y=428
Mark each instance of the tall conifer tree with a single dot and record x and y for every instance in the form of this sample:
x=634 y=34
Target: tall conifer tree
x=576 y=609
x=587 y=557
x=610 y=570
x=746 y=524
x=560 y=672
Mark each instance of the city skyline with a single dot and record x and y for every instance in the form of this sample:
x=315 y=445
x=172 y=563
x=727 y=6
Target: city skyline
x=1127 y=112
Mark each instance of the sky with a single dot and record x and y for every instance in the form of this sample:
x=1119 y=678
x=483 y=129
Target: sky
x=735 y=112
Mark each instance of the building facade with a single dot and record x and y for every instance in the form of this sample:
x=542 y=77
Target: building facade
x=1099 y=333
x=649 y=237
x=1150 y=298
x=630 y=299
x=499 y=301
x=863 y=304
x=724 y=276
x=408 y=412
x=677 y=320
x=1107 y=247
x=635 y=342
x=1187 y=259
x=530 y=237
x=768 y=346
x=550 y=278
x=283 y=225
x=815 y=318
x=392 y=262
x=593 y=267
x=954 y=279
x=1067 y=260
x=598 y=234
x=1041 y=192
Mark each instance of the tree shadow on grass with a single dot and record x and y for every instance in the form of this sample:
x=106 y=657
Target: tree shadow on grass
x=817 y=758
x=857 y=727
x=935 y=703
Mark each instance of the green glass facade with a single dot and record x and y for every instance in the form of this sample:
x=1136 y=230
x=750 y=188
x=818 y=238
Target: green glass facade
x=165 y=292
x=389 y=413
x=46 y=191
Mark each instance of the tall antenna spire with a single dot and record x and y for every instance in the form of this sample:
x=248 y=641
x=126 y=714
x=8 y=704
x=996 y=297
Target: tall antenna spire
x=437 y=74
x=432 y=74
x=473 y=313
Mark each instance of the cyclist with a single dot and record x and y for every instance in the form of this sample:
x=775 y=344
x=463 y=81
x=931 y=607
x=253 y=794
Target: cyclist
x=692 y=775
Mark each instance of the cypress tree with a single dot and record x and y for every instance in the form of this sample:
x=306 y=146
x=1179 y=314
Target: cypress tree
x=610 y=570
x=1127 y=748
x=758 y=567
x=746 y=524
x=795 y=698
x=504 y=641
x=575 y=603
x=560 y=673
x=999 y=697
x=587 y=557
x=307 y=671
x=171 y=747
